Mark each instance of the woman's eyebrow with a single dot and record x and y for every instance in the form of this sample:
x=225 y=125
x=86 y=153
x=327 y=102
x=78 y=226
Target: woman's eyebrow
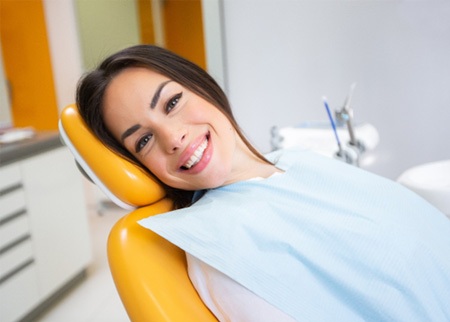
x=158 y=93
x=130 y=131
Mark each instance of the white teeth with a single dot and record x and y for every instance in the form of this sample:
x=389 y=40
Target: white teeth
x=197 y=155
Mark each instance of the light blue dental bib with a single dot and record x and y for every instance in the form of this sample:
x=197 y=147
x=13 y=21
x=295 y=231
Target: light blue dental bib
x=323 y=241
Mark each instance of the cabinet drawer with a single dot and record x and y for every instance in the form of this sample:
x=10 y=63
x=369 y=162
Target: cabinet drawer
x=9 y=176
x=19 y=294
x=11 y=203
x=13 y=230
x=15 y=257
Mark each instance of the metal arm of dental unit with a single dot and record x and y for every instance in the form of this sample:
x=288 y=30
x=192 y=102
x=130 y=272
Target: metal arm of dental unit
x=358 y=139
x=345 y=116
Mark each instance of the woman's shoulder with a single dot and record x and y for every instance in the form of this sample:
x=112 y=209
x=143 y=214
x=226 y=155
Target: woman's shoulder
x=284 y=158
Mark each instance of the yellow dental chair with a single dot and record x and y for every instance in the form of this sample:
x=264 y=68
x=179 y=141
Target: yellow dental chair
x=149 y=272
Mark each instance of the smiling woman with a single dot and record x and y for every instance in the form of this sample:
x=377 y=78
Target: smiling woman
x=177 y=135
x=290 y=236
x=139 y=77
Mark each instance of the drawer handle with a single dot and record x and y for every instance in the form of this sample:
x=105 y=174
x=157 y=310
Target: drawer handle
x=10 y=189
x=14 y=243
x=16 y=270
x=12 y=216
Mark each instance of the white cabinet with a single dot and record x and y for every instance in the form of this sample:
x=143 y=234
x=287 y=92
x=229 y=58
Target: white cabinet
x=44 y=237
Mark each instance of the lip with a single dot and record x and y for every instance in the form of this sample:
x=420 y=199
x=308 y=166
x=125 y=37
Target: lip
x=206 y=157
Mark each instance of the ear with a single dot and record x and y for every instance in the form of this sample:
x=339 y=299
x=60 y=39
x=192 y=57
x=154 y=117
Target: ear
x=123 y=182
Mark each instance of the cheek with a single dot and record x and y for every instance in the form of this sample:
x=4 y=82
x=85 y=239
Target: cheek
x=157 y=166
x=195 y=114
x=199 y=110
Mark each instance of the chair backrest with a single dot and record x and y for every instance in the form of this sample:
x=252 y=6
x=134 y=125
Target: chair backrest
x=149 y=272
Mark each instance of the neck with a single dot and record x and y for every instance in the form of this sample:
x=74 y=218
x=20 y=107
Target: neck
x=248 y=166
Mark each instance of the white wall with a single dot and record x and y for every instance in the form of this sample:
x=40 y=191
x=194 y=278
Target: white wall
x=212 y=14
x=283 y=56
x=64 y=46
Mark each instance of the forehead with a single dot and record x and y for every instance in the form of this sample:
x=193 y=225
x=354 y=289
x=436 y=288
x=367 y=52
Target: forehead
x=134 y=77
x=131 y=87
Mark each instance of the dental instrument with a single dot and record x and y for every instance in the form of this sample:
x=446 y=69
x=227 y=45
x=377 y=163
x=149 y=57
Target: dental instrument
x=345 y=115
x=333 y=125
x=341 y=153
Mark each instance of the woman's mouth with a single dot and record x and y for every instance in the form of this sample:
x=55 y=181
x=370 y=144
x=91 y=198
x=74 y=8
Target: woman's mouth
x=196 y=156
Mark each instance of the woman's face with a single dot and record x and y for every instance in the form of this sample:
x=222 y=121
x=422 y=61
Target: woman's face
x=181 y=138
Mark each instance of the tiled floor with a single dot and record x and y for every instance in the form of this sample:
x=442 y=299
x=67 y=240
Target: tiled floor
x=95 y=299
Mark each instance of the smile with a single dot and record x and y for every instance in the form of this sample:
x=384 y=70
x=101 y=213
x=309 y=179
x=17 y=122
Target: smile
x=196 y=156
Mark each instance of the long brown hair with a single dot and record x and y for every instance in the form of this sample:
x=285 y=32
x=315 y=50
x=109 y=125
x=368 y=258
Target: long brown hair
x=92 y=86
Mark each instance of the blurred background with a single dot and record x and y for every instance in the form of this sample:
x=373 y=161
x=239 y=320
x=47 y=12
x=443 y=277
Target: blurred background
x=275 y=59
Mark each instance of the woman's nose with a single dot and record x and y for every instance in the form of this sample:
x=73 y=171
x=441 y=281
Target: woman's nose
x=173 y=139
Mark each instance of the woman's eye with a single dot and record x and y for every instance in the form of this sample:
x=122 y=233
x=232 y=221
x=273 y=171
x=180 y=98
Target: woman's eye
x=172 y=103
x=142 y=142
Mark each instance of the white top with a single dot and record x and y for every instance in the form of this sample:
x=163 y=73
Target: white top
x=229 y=300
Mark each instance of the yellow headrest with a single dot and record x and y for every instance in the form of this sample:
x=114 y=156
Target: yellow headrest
x=122 y=181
